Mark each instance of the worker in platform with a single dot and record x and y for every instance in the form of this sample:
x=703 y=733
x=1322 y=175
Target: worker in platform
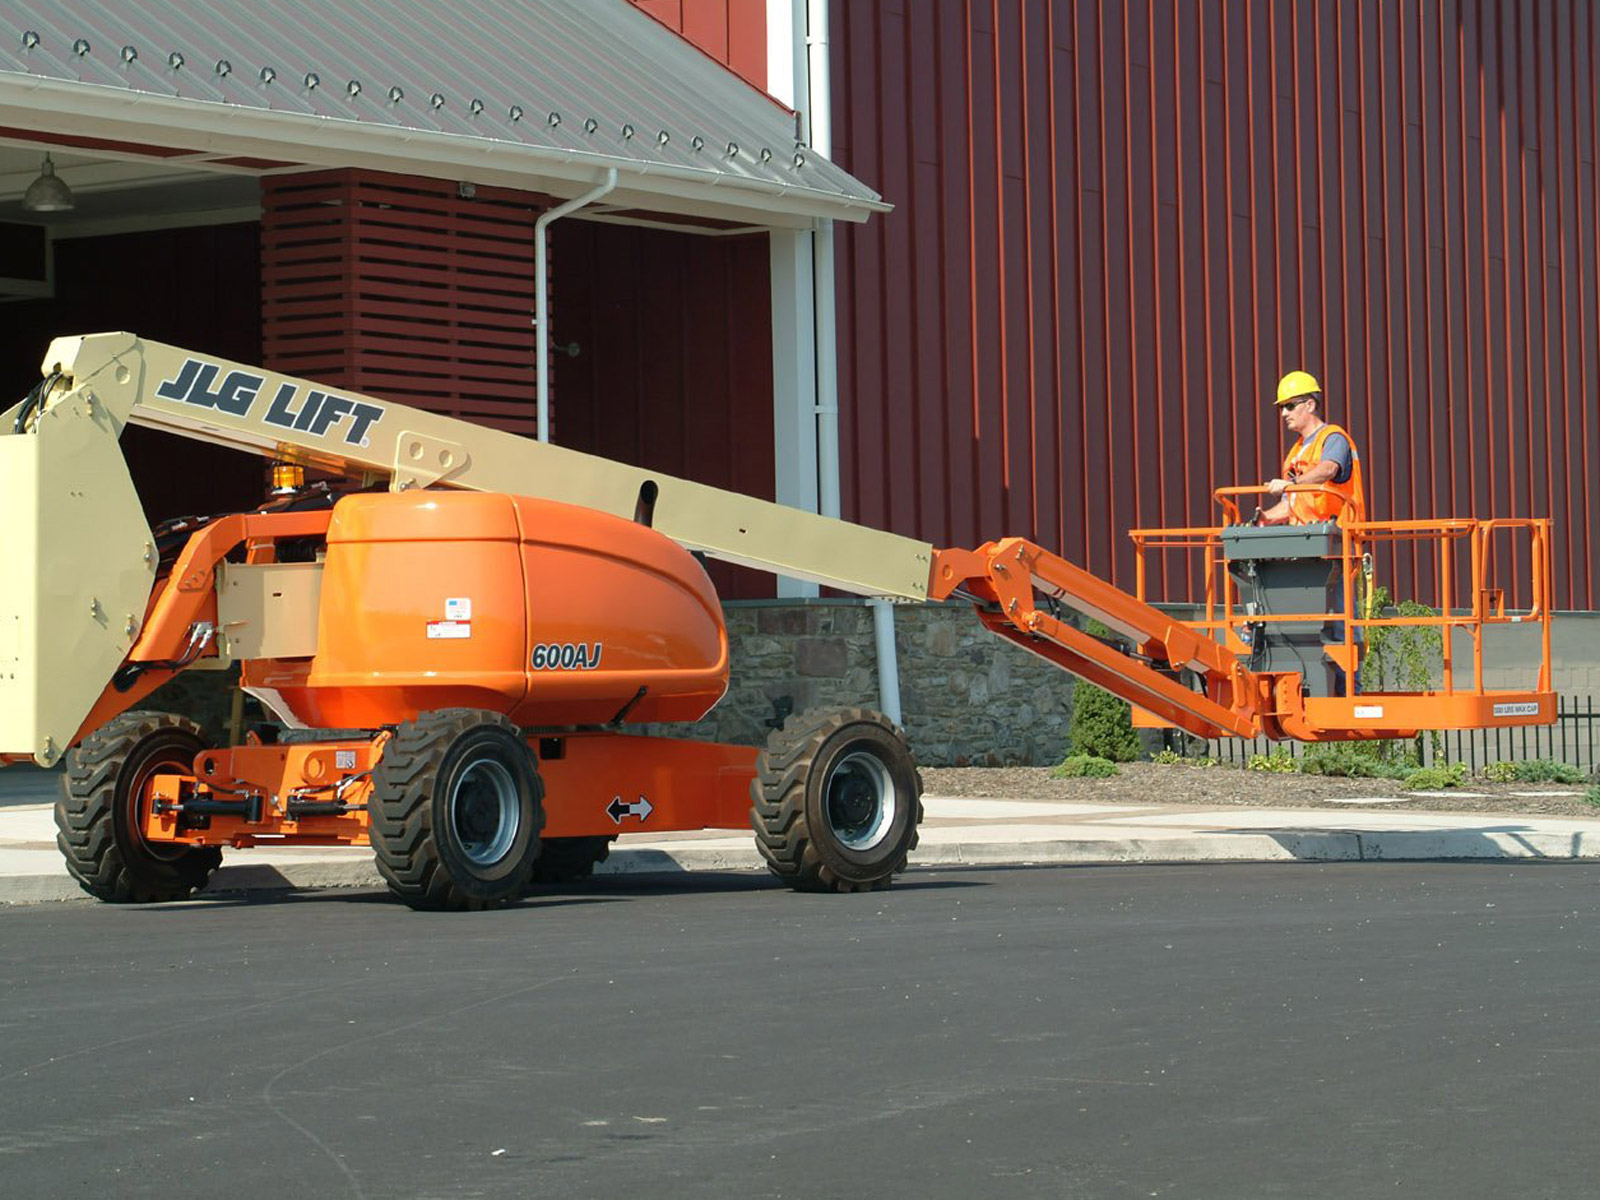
x=1322 y=453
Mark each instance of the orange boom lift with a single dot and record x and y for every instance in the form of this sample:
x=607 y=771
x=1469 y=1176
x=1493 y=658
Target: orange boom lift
x=458 y=640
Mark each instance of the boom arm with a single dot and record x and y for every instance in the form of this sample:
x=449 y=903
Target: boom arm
x=278 y=416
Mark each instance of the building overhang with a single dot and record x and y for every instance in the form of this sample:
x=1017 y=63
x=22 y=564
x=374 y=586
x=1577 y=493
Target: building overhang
x=538 y=97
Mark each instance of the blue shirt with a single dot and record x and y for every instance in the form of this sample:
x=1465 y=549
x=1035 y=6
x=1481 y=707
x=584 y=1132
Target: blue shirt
x=1336 y=449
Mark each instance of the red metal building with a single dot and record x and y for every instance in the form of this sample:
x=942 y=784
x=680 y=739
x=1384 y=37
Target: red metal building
x=1115 y=222
x=1118 y=221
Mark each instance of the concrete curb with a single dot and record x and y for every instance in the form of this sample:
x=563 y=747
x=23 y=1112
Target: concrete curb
x=1287 y=845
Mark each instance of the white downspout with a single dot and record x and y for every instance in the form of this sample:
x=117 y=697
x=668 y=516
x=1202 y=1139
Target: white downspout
x=888 y=661
x=821 y=129
x=541 y=292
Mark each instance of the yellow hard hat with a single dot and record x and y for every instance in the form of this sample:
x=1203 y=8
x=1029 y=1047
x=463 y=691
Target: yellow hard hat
x=1297 y=385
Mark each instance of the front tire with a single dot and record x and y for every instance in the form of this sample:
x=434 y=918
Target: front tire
x=836 y=802
x=456 y=811
x=100 y=816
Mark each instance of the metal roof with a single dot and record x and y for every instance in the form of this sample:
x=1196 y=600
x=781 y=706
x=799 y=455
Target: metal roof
x=560 y=88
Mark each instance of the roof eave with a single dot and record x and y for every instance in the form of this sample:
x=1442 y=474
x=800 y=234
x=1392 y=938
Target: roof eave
x=141 y=117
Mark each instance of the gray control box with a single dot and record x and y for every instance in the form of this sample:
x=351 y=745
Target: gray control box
x=1290 y=569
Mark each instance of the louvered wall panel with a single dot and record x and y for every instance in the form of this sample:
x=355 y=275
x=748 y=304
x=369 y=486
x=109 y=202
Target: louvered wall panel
x=402 y=288
x=1117 y=222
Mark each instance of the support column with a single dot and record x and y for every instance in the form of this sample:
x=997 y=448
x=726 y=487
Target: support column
x=794 y=381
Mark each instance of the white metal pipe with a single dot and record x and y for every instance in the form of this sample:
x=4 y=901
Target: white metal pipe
x=825 y=326
x=888 y=661
x=818 y=92
x=541 y=292
x=819 y=95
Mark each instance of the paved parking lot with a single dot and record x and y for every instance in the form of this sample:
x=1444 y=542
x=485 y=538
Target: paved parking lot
x=1353 y=1029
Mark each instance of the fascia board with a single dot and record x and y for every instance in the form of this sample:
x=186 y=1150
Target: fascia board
x=94 y=111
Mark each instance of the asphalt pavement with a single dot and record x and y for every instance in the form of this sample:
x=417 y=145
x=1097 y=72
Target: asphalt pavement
x=1287 y=1030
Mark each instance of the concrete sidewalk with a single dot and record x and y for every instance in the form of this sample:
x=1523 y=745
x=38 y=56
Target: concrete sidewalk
x=956 y=832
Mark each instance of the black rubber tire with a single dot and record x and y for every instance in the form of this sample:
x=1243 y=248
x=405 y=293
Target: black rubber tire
x=569 y=859
x=799 y=777
x=97 y=817
x=419 y=834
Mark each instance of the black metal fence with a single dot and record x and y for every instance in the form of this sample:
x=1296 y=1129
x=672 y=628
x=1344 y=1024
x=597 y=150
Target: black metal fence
x=1573 y=739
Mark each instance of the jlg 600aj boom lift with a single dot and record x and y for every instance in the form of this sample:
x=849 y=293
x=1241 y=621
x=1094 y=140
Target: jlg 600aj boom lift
x=490 y=613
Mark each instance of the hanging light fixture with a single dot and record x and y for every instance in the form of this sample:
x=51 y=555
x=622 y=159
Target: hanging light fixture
x=48 y=193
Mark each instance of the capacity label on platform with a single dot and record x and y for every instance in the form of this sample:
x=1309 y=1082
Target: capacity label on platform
x=1518 y=709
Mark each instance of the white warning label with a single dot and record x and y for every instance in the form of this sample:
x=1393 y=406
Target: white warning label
x=449 y=629
x=1520 y=708
x=1369 y=712
x=458 y=608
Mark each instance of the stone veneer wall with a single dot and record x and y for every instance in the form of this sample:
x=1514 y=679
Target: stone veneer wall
x=967 y=698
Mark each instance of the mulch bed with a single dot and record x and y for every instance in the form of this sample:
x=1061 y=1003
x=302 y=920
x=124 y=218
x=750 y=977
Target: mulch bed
x=1151 y=783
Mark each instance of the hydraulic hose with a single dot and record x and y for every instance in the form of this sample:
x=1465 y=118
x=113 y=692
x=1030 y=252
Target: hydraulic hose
x=35 y=401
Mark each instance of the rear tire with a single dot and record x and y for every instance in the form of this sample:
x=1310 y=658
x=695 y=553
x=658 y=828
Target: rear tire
x=836 y=801
x=100 y=816
x=569 y=859
x=456 y=811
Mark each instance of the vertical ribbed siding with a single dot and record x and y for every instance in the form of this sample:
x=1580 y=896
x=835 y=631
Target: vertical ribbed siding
x=1118 y=223
x=663 y=358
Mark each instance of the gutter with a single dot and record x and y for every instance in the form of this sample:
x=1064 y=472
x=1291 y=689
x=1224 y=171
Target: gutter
x=94 y=110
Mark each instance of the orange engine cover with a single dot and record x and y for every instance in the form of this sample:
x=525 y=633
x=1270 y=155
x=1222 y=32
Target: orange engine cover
x=547 y=612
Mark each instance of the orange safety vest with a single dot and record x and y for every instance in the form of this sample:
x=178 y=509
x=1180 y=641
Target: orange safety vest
x=1307 y=508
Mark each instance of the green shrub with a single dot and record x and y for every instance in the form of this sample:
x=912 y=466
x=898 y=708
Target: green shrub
x=1544 y=770
x=1102 y=725
x=1499 y=772
x=1085 y=766
x=1355 y=762
x=1592 y=796
x=1432 y=779
x=1279 y=762
x=1405 y=658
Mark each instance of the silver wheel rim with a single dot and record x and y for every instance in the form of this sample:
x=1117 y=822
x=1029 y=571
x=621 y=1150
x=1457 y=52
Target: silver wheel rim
x=859 y=800
x=484 y=811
